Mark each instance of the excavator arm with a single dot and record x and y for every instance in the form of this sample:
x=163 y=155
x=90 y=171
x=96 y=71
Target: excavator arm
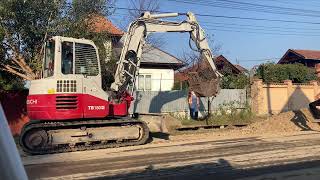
x=129 y=62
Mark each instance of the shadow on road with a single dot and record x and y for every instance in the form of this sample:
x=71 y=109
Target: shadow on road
x=160 y=135
x=221 y=169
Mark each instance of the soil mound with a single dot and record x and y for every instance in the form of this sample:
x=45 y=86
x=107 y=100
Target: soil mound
x=300 y=120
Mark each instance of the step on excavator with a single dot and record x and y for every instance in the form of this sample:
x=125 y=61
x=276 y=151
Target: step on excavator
x=70 y=111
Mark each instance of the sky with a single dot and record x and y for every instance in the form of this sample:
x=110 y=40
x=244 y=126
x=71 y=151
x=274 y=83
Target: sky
x=249 y=32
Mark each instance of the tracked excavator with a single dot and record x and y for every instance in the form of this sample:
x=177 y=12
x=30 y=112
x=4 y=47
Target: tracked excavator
x=70 y=111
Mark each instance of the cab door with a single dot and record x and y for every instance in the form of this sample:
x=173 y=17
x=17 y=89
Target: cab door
x=95 y=104
x=69 y=90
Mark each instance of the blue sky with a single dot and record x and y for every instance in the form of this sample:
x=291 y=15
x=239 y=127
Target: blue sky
x=245 y=42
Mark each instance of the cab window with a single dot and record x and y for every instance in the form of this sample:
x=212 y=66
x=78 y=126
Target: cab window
x=86 y=61
x=67 y=58
x=48 y=59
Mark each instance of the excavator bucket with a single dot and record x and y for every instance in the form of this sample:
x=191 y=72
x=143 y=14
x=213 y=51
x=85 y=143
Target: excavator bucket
x=204 y=82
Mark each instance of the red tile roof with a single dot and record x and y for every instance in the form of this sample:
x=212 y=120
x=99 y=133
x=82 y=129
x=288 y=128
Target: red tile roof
x=308 y=54
x=102 y=24
x=220 y=60
x=242 y=69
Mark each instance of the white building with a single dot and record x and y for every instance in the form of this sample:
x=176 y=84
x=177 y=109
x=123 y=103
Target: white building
x=157 y=70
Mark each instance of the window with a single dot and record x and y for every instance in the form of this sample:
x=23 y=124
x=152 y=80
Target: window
x=67 y=58
x=49 y=59
x=144 y=82
x=141 y=83
x=86 y=61
x=147 y=82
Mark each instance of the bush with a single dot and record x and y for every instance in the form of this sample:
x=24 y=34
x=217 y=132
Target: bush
x=10 y=82
x=277 y=73
x=229 y=113
x=234 y=81
x=225 y=114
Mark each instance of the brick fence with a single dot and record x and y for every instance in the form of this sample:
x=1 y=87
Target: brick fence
x=274 y=98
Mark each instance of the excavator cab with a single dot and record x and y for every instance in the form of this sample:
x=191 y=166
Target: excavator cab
x=70 y=87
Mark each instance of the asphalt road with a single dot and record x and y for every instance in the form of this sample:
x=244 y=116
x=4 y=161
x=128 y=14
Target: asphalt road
x=294 y=156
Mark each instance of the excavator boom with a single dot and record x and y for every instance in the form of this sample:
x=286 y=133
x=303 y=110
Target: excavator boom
x=129 y=62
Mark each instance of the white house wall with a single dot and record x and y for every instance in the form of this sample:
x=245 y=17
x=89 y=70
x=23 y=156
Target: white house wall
x=108 y=47
x=161 y=79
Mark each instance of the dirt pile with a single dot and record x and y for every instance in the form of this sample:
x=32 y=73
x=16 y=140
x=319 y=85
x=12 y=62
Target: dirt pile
x=300 y=120
x=282 y=124
x=161 y=123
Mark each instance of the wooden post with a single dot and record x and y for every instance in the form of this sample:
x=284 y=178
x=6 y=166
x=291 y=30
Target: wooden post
x=209 y=110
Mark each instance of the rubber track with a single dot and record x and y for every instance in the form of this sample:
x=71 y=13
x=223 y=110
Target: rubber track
x=54 y=125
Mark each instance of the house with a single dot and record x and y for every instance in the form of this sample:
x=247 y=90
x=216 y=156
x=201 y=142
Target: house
x=157 y=67
x=306 y=57
x=157 y=70
x=101 y=24
x=241 y=69
x=223 y=65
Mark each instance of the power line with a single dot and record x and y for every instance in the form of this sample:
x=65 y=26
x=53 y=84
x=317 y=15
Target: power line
x=250 y=25
x=247 y=30
x=222 y=16
x=247 y=26
x=254 y=7
x=233 y=17
x=292 y=2
x=262 y=29
x=278 y=7
x=261 y=32
x=258 y=60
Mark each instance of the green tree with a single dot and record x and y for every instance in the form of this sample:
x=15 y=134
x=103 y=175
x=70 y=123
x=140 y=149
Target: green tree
x=231 y=81
x=23 y=27
x=80 y=18
x=277 y=73
x=9 y=82
x=25 y=24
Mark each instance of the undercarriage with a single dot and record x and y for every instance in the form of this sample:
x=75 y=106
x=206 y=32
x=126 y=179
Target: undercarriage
x=39 y=137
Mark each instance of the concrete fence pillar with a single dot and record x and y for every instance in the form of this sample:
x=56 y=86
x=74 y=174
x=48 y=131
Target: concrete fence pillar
x=257 y=96
x=315 y=89
x=289 y=93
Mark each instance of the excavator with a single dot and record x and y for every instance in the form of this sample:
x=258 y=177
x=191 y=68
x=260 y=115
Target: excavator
x=70 y=111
